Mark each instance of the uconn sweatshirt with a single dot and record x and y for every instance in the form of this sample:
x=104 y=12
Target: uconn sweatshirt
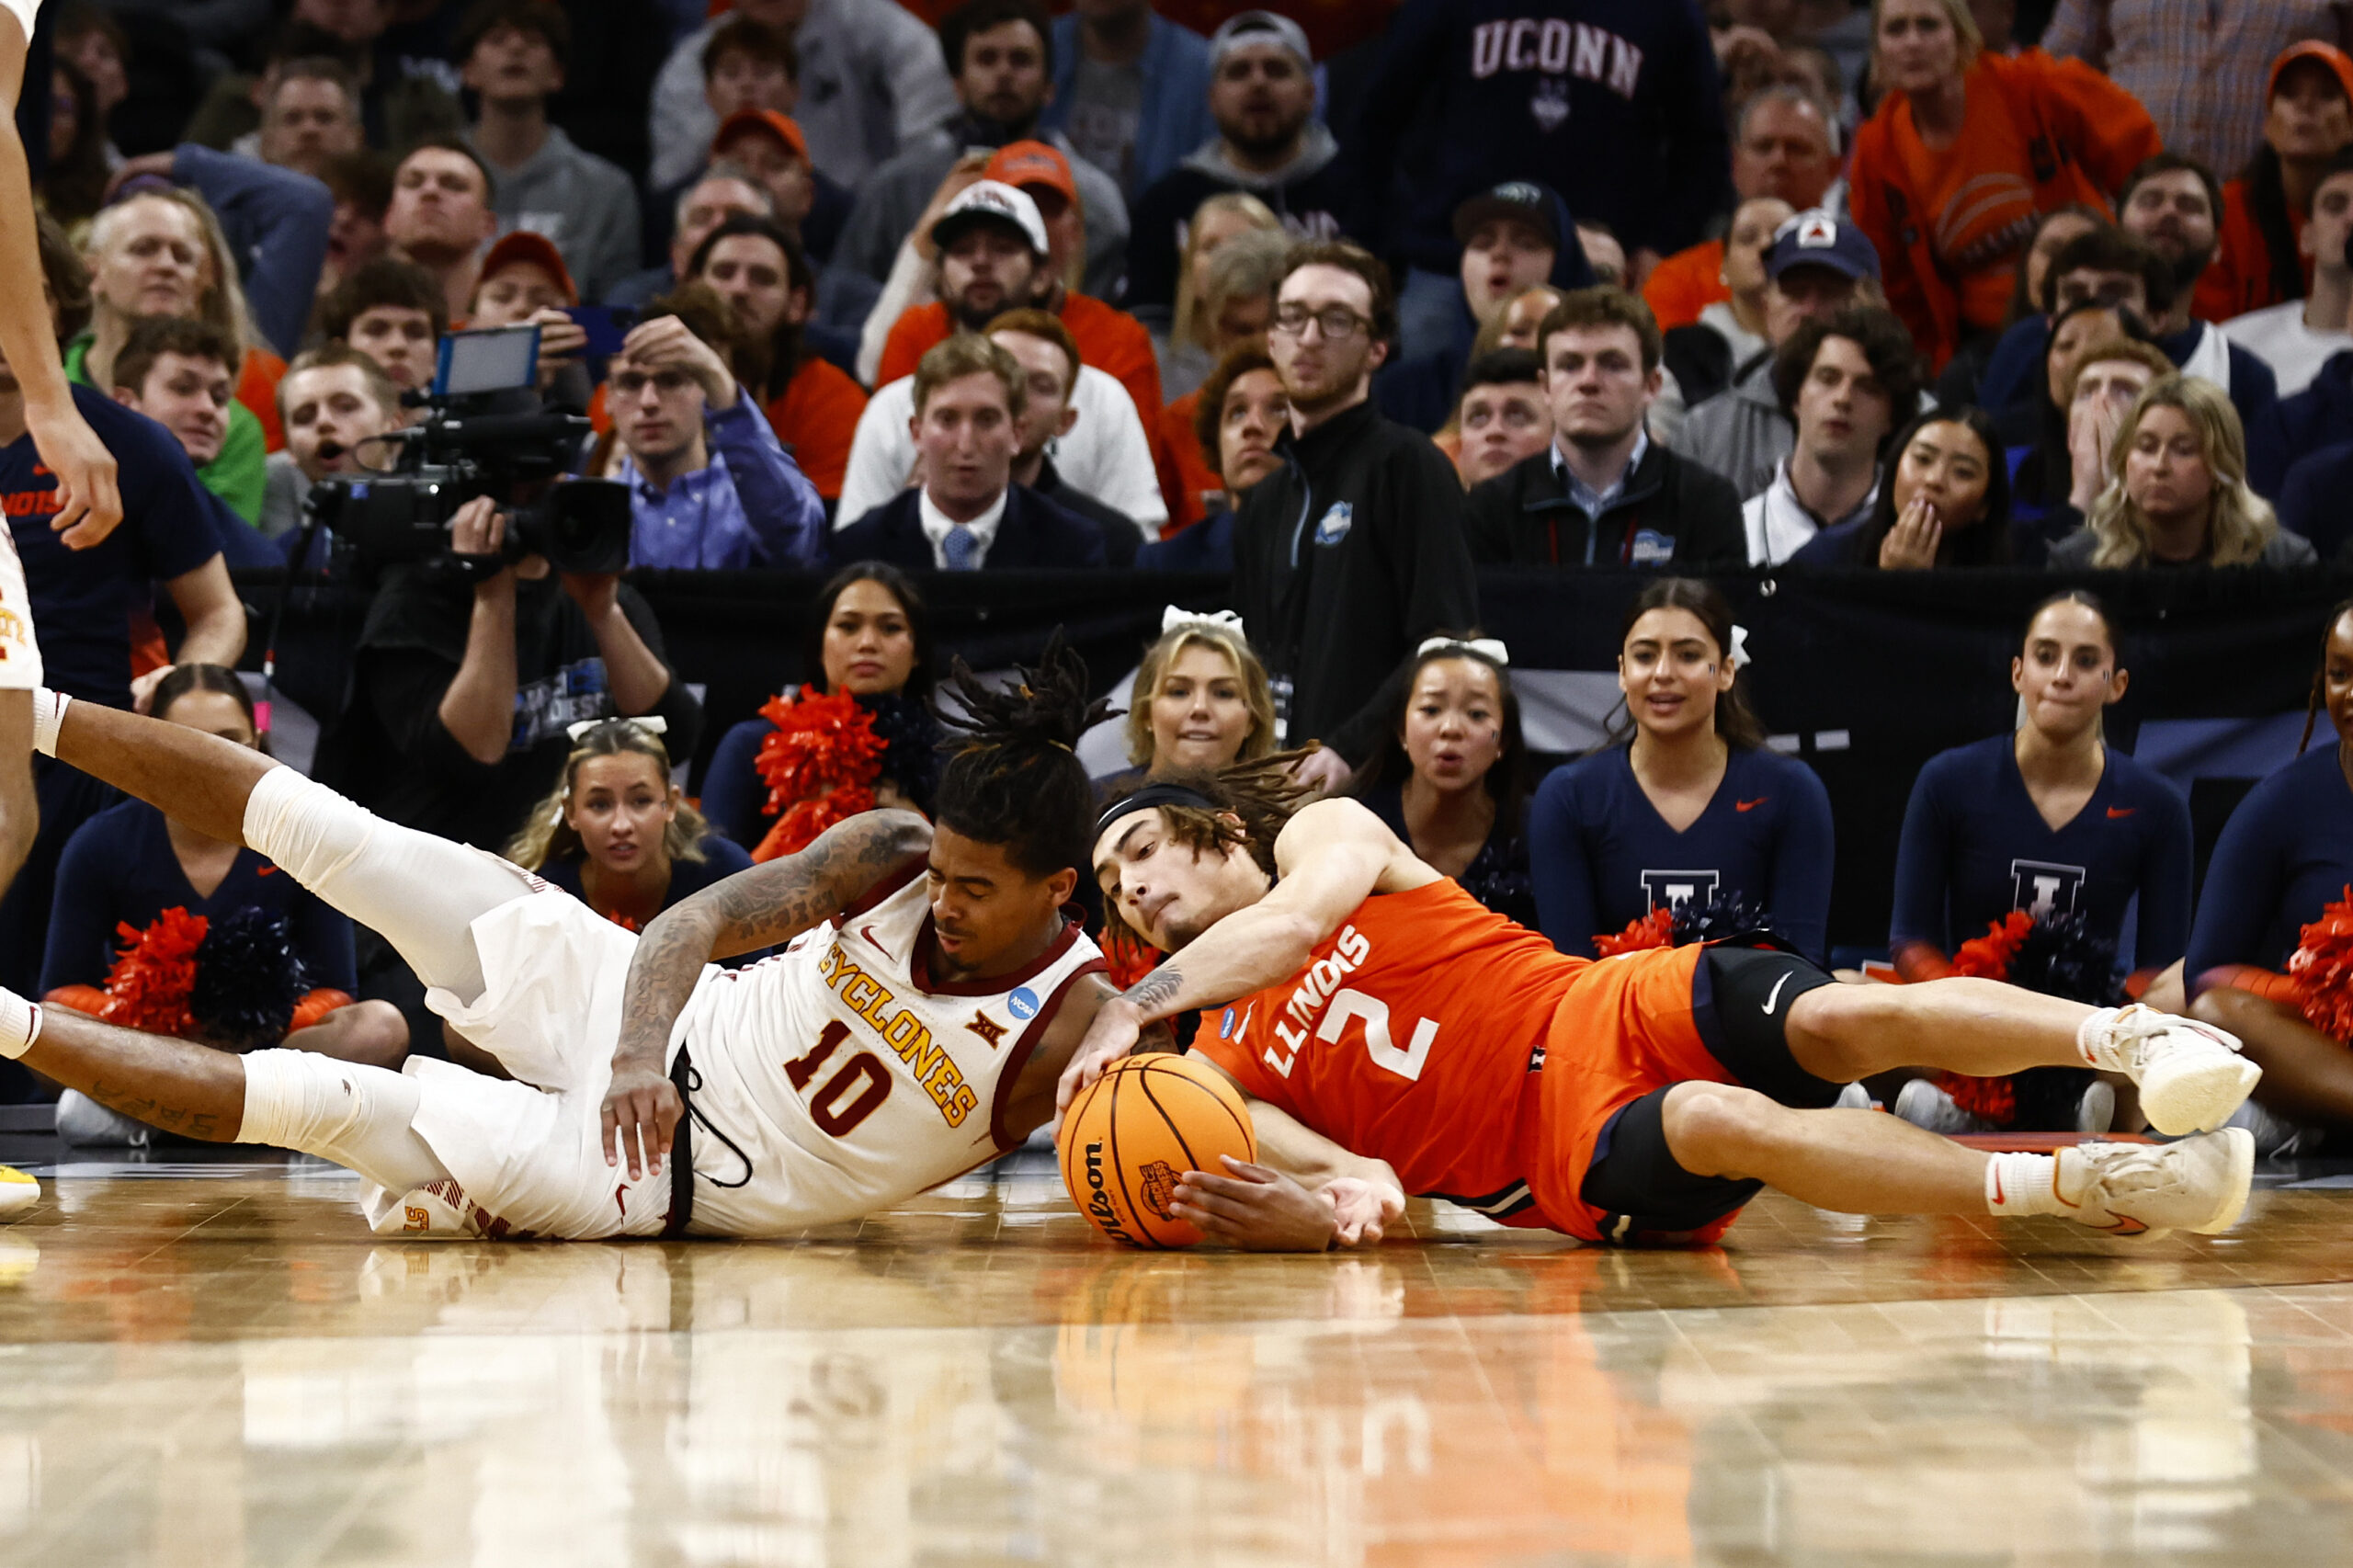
x=1613 y=103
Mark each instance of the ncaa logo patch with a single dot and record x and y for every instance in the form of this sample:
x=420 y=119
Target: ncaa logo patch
x=1225 y=1026
x=1022 y=1003
x=1336 y=523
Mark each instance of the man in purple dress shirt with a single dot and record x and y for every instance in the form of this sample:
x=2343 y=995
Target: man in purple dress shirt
x=709 y=485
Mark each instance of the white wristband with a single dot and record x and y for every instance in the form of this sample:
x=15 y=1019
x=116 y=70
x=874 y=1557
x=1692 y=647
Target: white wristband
x=19 y=1024
x=49 y=711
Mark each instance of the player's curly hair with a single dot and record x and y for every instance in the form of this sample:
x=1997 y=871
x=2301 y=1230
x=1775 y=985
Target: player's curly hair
x=1254 y=799
x=1013 y=774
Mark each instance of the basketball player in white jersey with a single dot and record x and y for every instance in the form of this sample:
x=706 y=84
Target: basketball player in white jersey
x=89 y=506
x=913 y=1028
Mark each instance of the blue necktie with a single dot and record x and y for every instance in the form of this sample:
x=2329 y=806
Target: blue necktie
x=961 y=547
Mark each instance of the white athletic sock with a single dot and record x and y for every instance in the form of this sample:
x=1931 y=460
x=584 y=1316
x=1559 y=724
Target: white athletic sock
x=2022 y=1184
x=359 y=1117
x=49 y=711
x=19 y=1024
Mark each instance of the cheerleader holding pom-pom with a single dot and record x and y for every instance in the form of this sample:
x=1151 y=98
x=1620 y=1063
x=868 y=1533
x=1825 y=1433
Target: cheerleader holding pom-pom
x=2020 y=856
x=156 y=926
x=2271 y=956
x=860 y=734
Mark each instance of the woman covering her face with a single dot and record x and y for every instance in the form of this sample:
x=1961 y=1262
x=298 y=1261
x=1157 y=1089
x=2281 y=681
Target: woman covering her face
x=2177 y=494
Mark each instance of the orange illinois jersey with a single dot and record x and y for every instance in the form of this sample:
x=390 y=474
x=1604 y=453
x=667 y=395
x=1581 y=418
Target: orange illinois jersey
x=1412 y=1037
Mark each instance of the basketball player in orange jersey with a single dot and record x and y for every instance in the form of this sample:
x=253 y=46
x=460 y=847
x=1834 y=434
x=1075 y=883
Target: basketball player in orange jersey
x=915 y=1028
x=1411 y=1041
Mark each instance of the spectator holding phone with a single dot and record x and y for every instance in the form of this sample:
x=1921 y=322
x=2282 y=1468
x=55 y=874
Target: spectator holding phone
x=525 y=283
x=709 y=485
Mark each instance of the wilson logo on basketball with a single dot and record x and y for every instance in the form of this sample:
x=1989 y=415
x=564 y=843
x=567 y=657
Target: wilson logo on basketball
x=1099 y=1207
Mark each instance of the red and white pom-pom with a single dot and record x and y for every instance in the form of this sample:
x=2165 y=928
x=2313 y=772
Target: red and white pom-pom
x=819 y=766
x=1655 y=929
x=148 y=987
x=2322 y=967
x=1988 y=957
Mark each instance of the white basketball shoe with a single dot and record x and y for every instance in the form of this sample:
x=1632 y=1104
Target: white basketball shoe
x=19 y=1191
x=2130 y=1189
x=2191 y=1074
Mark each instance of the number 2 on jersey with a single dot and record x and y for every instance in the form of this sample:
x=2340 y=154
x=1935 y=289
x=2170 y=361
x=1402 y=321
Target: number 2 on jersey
x=825 y=1107
x=1348 y=1006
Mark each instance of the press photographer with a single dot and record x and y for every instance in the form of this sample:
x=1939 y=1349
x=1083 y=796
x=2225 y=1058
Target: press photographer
x=500 y=618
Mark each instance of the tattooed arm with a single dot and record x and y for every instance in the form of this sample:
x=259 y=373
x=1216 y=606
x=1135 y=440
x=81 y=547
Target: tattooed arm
x=1332 y=855
x=768 y=904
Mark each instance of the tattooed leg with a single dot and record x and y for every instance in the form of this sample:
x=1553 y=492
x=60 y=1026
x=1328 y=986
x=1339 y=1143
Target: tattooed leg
x=172 y=1083
x=359 y=1117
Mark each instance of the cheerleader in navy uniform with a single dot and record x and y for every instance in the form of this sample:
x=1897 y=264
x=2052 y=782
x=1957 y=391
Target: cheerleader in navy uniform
x=2052 y=821
x=617 y=833
x=131 y=867
x=872 y=642
x=1451 y=780
x=2286 y=854
x=1684 y=807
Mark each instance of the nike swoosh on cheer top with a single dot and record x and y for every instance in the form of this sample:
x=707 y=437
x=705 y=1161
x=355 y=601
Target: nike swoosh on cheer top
x=265 y=871
x=1773 y=997
x=2116 y=811
x=1750 y=805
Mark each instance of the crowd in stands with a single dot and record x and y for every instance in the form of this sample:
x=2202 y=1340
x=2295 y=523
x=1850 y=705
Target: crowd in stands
x=1348 y=302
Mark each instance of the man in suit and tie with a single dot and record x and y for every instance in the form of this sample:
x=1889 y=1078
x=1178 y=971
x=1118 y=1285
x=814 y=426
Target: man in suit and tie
x=967 y=515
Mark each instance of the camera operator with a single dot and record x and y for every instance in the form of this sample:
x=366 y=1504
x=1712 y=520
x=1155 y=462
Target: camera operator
x=709 y=485
x=464 y=690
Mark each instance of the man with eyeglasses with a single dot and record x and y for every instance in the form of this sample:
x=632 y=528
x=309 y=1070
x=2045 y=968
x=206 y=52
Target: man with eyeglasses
x=709 y=485
x=1352 y=553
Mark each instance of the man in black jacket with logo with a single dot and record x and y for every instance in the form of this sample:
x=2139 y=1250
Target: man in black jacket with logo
x=1351 y=554
x=1603 y=493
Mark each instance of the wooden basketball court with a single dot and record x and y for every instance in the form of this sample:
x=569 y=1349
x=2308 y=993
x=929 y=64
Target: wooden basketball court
x=208 y=1362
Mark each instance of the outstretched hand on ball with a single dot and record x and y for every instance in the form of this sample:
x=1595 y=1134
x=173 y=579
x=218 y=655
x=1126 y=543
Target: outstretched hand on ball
x=1259 y=1209
x=1118 y=1025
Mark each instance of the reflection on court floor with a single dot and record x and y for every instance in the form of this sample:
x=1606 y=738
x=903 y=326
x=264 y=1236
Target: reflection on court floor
x=229 y=1370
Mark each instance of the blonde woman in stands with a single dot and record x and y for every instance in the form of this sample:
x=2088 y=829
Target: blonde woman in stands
x=2176 y=490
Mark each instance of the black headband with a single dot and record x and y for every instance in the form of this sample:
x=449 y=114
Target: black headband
x=1151 y=796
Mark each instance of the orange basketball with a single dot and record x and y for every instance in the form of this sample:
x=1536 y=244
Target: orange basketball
x=1145 y=1122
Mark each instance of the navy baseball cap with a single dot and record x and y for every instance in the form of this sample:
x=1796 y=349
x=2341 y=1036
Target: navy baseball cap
x=1523 y=200
x=1820 y=238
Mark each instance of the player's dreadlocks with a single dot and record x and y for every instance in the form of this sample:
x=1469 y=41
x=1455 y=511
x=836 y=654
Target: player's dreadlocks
x=1012 y=776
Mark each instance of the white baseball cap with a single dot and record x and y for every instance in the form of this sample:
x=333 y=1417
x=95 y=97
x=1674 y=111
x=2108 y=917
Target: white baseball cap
x=990 y=201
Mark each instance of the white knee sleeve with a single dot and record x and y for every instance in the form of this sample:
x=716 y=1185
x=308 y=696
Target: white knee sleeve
x=307 y=828
x=421 y=894
x=359 y=1117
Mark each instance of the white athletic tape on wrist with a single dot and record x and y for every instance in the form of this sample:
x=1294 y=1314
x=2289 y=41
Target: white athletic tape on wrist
x=49 y=711
x=19 y=1024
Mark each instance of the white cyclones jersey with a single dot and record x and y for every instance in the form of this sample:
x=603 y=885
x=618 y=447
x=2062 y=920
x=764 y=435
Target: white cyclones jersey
x=847 y=1077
